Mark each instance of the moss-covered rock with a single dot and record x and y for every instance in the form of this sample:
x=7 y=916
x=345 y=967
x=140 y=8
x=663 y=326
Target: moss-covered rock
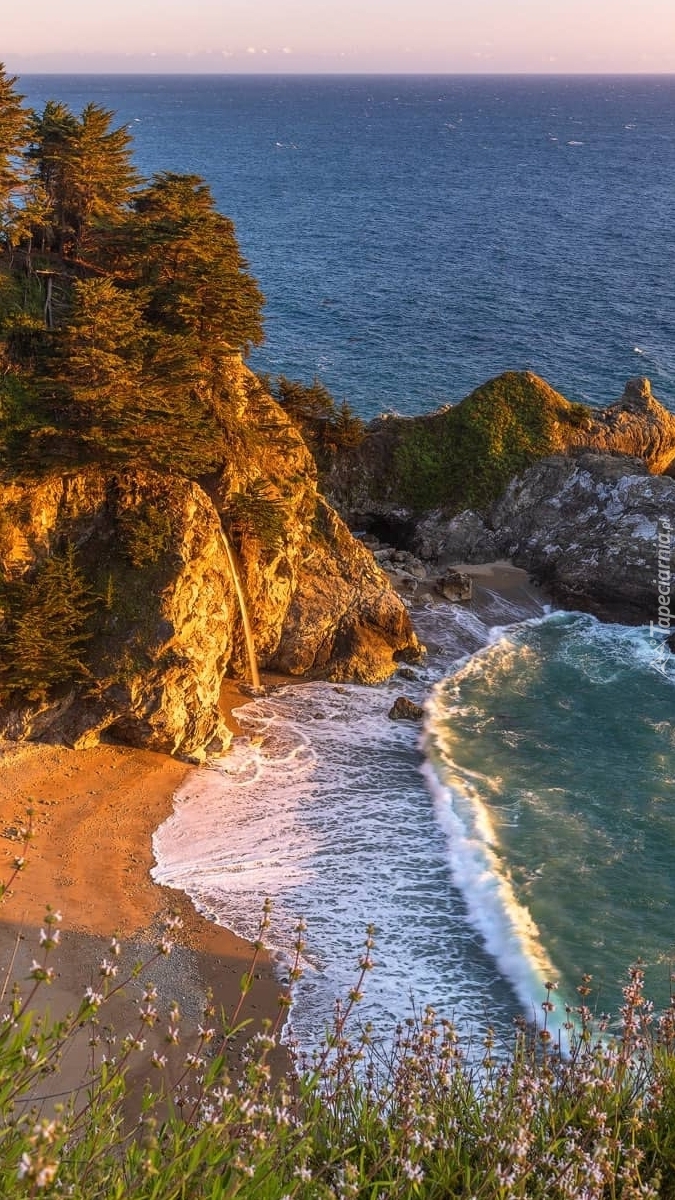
x=463 y=456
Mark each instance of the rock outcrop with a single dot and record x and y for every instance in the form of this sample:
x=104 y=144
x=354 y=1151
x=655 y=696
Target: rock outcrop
x=163 y=624
x=405 y=709
x=463 y=456
x=636 y=425
x=596 y=530
x=161 y=632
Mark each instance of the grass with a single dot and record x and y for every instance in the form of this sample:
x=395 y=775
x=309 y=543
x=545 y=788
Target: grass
x=420 y=1114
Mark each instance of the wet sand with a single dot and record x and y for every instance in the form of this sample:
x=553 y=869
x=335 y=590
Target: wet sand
x=94 y=813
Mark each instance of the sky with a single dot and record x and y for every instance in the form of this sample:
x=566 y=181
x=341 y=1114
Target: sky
x=298 y=36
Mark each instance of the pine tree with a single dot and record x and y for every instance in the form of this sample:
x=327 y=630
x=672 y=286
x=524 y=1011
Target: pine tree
x=98 y=362
x=85 y=167
x=186 y=255
x=46 y=631
x=14 y=126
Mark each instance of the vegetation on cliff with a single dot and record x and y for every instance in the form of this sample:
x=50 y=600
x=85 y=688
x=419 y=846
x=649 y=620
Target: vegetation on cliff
x=126 y=310
x=461 y=456
x=121 y=301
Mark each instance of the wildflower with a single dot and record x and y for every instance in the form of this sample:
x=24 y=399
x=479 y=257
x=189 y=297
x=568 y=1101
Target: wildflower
x=115 y=947
x=158 y=1060
x=94 y=998
x=51 y=939
x=41 y=973
x=24 y=1166
x=133 y=1043
x=107 y=969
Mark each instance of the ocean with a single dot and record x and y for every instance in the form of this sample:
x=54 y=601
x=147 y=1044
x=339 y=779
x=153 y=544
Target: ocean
x=415 y=237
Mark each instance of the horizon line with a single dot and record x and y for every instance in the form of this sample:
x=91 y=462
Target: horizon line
x=513 y=74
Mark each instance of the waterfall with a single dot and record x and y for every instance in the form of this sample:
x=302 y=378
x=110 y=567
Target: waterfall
x=250 y=647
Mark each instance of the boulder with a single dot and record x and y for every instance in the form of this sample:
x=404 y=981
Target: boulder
x=404 y=709
x=454 y=586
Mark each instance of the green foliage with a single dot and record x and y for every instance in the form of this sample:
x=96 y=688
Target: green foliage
x=121 y=305
x=84 y=168
x=428 y=1114
x=578 y=415
x=14 y=123
x=44 y=630
x=259 y=513
x=184 y=255
x=464 y=456
x=324 y=426
x=146 y=534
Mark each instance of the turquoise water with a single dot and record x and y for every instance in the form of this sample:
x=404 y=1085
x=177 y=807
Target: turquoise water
x=555 y=753
x=527 y=834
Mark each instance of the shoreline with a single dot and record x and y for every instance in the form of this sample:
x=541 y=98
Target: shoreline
x=89 y=857
x=95 y=813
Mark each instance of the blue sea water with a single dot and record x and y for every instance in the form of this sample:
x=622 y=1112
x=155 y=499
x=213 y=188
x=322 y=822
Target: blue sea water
x=416 y=236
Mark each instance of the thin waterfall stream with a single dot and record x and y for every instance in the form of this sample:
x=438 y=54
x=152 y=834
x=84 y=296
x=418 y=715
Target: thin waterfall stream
x=248 y=635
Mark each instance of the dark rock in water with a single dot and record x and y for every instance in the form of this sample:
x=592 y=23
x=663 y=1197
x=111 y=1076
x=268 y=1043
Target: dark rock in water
x=597 y=530
x=454 y=586
x=407 y=673
x=404 y=709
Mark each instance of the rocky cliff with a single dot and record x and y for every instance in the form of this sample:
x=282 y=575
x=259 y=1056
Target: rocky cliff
x=463 y=456
x=596 y=529
x=158 y=624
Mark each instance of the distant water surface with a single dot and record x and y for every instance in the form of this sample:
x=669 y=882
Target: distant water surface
x=416 y=236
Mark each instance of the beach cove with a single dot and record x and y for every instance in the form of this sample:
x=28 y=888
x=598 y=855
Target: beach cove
x=89 y=858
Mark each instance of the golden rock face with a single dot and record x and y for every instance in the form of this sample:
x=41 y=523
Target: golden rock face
x=163 y=623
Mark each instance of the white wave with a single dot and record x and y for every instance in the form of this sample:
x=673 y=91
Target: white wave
x=506 y=927
x=321 y=806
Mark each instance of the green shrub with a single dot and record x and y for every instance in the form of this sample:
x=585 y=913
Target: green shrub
x=464 y=456
x=325 y=427
x=257 y=513
x=146 y=534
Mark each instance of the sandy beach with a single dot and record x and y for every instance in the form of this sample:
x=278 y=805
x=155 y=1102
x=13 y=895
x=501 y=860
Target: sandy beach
x=94 y=813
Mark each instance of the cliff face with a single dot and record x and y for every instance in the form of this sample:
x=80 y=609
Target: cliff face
x=160 y=632
x=597 y=530
x=636 y=425
x=160 y=623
